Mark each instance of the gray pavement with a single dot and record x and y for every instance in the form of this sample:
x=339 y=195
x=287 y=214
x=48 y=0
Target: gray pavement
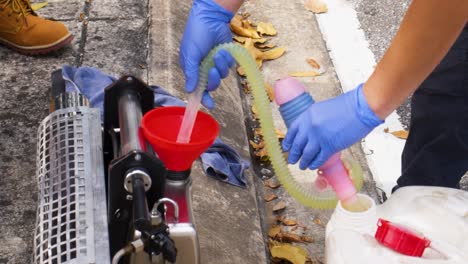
x=380 y=21
x=24 y=84
x=113 y=37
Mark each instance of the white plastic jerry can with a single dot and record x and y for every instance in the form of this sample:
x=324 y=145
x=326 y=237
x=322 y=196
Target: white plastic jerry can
x=417 y=225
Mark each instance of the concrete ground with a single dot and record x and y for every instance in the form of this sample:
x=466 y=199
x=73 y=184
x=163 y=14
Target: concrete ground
x=380 y=21
x=142 y=38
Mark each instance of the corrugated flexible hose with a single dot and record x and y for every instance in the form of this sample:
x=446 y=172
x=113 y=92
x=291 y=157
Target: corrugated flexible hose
x=308 y=195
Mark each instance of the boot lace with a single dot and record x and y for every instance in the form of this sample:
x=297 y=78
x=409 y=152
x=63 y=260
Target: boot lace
x=20 y=7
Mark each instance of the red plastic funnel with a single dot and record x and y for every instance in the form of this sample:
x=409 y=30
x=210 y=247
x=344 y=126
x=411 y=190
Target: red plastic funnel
x=161 y=127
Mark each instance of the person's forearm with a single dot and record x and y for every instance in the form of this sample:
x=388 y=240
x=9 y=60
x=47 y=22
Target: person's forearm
x=230 y=5
x=428 y=30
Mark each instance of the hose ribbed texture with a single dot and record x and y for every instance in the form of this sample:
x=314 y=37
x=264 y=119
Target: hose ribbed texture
x=309 y=196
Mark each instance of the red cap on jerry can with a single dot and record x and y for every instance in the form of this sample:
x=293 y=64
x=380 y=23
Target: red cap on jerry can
x=401 y=239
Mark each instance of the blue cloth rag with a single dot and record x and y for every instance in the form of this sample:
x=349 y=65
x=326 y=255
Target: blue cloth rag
x=219 y=161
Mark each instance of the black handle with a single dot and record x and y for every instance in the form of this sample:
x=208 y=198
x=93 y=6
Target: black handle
x=141 y=218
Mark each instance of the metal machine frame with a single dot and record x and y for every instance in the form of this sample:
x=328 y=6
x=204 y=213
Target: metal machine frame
x=147 y=208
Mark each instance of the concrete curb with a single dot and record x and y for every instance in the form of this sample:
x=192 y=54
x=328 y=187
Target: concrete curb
x=227 y=218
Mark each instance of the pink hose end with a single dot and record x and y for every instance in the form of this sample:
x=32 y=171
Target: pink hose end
x=337 y=176
x=294 y=89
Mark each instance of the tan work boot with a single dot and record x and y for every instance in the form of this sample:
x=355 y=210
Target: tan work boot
x=24 y=31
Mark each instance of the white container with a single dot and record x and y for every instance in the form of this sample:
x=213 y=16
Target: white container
x=439 y=214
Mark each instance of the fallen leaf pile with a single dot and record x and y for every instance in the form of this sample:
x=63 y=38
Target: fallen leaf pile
x=254 y=37
x=258 y=144
x=288 y=230
x=284 y=231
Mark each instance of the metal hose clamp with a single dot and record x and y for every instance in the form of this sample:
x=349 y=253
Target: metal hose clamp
x=163 y=200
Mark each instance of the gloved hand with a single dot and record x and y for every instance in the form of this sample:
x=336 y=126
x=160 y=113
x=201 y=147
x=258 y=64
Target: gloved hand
x=207 y=26
x=328 y=127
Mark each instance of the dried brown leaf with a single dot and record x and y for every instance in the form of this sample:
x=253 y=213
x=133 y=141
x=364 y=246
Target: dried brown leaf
x=270 y=92
x=293 y=254
x=249 y=45
x=279 y=134
x=259 y=63
x=254 y=110
x=81 y=17
x=313 y=63
x=37 y=6
x=245 y=15
x=246 y=24
x=237 y=21
x=262 y=153
x=266 y=29
x=316 y=6
x=253 y=24
x=271 y=183
x=240 y=71
x=270 y=197
x=239 y=39
x=272 y=243
x=307 y=239
x=250 y=33
x=273 y=53
x=289 y=222
x=317 y=221
x=266 y=46
x=304 y=74
x=288 y=237
x=246 y=86
x=280 y=218
x=256 y=146
x=279 y=206
x=274 y=231
x=259 y=40
x=258 y=132
x=403 y=134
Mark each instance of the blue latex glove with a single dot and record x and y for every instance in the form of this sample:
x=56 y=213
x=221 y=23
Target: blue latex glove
x=207 y=26
x=328 y=127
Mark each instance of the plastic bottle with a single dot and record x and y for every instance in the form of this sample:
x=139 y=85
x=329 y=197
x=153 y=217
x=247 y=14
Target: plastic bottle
x=290 y=95
x=438 y=216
